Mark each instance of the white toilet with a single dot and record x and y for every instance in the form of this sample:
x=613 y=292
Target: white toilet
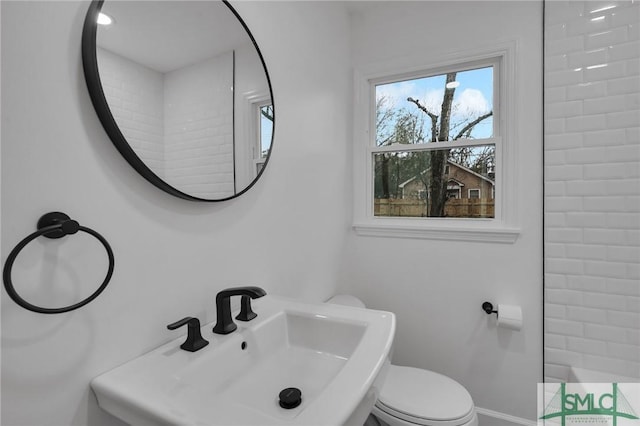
x=412 y=396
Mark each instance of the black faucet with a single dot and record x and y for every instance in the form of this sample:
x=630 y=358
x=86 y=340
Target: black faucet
x=194 y=340
x=224 y=323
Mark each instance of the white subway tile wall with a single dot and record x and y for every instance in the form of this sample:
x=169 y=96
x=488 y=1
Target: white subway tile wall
x=136 y=100
x=180 y=123
x=199 y=127
x=592 y=187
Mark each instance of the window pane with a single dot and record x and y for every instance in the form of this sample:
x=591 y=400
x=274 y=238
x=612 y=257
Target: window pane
x=266 y=129
x=445 y=107
x=455 y=183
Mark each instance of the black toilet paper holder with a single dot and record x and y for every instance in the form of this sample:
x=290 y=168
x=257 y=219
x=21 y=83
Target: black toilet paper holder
x=488 y=308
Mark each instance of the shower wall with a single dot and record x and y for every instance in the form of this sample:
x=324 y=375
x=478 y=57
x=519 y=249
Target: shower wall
x=592 y=187
x=136 y=100
x=198 y=128
x=180 y=123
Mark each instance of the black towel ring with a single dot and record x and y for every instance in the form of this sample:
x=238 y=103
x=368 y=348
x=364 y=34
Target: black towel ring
x=54 y=225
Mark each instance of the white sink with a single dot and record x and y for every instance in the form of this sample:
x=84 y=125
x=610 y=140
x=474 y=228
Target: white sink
x=336 y=355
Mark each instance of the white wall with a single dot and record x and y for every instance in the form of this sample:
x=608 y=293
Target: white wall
x=436 y=288
x=1 y=248
x=592 y=181
x=172 y=256
x=198 y=129
x=136 y=98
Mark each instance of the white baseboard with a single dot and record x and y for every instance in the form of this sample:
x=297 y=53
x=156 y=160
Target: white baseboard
x=488 y=417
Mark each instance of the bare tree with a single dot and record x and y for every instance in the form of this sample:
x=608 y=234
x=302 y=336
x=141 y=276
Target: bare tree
x=433 y=176
x=394 y=126
x=385 y=115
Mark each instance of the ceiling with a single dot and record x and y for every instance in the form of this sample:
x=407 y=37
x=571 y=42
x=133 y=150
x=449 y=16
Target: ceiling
x=168 y=35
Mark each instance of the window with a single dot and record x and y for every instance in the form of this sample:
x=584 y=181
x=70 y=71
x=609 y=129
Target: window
x=453 y=191
x=254 y=126
x=265 y=132
x=434 y=152
x=435 y=133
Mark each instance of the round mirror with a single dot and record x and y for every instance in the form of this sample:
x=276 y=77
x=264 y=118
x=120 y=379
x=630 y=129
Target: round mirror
x=183 y=92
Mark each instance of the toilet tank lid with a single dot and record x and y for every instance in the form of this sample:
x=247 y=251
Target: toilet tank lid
x=346 y=300
x=424 y=394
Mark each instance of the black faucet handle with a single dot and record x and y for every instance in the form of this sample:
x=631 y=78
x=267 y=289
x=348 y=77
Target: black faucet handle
x=194 y=340
x=224 y=323
x=246 y=313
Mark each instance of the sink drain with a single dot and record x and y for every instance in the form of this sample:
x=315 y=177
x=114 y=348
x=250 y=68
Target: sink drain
x=290 y=398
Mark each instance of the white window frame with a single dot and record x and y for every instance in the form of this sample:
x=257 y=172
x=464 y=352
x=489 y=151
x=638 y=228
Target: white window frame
x=474 y=189
x=247 y=136
x=258 y=159
x=456 y=192
x=501 y=229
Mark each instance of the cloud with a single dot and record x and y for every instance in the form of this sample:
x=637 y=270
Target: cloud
x=433 y=100
x=397 y=93
x=471 y=102
x=468 y=104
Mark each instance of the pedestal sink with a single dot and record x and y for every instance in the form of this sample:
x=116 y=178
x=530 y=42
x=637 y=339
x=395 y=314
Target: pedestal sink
x=336 y=356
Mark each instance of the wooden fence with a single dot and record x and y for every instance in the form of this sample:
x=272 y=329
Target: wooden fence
x=455 y=207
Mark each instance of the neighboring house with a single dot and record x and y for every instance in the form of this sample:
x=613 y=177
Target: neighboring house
x=462 y=183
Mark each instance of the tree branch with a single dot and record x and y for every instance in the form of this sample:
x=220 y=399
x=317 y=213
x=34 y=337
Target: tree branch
x=471 y=125
x=386 y=141
x=267 y=112
x=434 y=118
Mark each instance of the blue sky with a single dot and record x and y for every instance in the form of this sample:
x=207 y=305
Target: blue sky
x=473 y=97
x=266 y=132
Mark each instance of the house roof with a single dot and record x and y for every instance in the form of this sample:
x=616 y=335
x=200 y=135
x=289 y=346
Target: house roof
x=466 y=169
x=455 y=181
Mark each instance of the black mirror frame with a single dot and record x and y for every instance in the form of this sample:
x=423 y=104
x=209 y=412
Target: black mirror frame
x=96 y=92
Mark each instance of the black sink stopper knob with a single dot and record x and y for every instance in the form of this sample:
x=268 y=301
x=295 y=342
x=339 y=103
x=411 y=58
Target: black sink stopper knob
x=290 y=398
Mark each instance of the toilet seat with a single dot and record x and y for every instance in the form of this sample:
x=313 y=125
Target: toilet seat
x=424 y=398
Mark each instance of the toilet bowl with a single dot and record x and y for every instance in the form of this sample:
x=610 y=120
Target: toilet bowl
x=412 y=396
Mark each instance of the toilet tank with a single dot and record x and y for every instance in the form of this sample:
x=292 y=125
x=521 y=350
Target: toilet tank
x=346 y=300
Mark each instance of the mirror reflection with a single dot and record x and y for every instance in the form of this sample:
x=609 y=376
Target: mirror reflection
x=189 y=92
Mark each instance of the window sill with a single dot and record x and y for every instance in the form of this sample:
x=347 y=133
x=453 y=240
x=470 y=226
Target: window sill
x=464 y=232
